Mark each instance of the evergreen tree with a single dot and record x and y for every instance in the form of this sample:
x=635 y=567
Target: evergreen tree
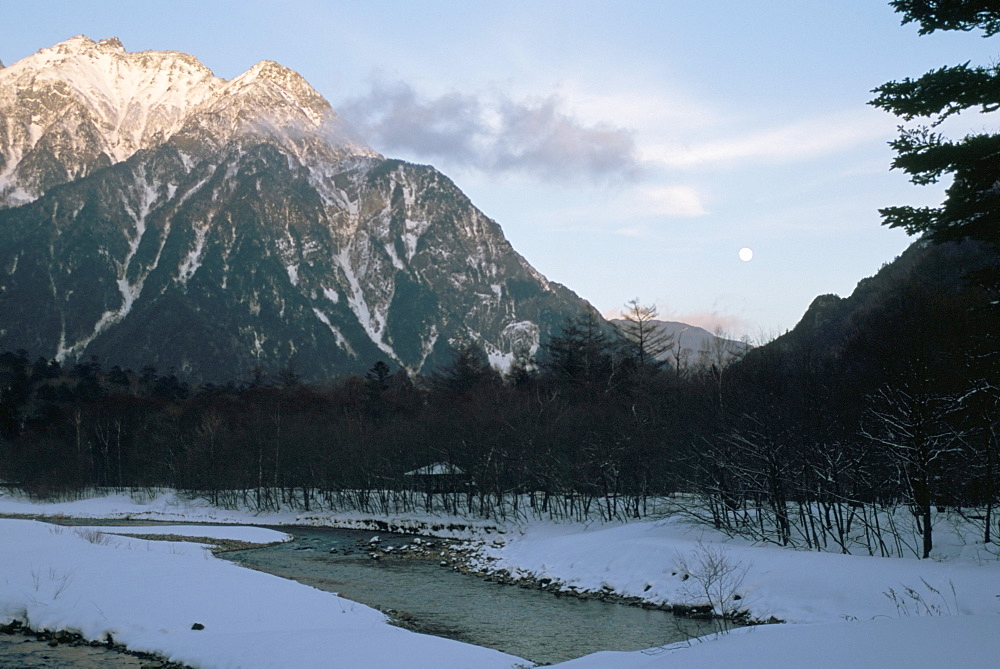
x=972 y=204
x=582 y=353
x=377 y=378
x=468 y=370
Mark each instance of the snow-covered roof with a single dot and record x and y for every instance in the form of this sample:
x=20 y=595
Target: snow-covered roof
x=436 y=469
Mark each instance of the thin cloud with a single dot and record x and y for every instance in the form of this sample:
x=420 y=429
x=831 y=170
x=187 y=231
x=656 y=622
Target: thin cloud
x=654 y=203
x=797 y=141
x=669 y=201
x=493 y=133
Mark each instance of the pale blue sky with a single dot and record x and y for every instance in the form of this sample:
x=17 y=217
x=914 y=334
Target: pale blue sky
x=628 y=149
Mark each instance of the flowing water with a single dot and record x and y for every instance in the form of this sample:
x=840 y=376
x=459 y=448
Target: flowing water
x=427 y=597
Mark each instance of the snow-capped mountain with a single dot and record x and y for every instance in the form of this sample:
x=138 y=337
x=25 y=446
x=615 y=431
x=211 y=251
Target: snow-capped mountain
x=152 y=213
x=80 y=106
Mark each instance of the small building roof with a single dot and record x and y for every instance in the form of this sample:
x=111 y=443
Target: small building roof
x=436 y=469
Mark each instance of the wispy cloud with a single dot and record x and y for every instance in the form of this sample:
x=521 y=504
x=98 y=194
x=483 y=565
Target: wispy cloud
x=796 y=141
x=672 y=201
x=644 y=208
x=493 y=133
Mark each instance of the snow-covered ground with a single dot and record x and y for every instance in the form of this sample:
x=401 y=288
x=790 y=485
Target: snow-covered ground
x=256 y=535
x=148 y=595
x=915 y=643
x=850 y=610
x=648 y=559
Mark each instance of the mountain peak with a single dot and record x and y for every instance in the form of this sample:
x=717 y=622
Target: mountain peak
x=105 y=70
x=273 y=103
x=81 y=105
x=277 y=87
x=111 y=43
x=268 y=69
x=81 y=44
x=75 y=43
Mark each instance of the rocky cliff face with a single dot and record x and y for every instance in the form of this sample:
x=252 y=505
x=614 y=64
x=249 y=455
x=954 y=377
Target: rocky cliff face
x=155 y=214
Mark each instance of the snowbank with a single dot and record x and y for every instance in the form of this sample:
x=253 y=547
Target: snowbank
x=254 y=535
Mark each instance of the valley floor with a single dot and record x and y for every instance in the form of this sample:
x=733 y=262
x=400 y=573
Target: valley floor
x=842 y=610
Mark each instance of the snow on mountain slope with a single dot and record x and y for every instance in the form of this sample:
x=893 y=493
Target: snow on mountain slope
x=82 y=105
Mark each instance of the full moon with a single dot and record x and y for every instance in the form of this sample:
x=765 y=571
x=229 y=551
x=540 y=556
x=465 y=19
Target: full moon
x=746 y=255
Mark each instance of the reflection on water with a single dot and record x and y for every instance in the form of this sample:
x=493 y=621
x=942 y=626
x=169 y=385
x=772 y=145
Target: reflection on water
x=430 y=598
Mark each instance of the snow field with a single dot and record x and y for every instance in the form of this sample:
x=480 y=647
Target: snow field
x=853 y=611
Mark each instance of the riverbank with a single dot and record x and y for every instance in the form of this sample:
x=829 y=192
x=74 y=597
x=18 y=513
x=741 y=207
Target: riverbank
x=668 y=562
x=25 y=648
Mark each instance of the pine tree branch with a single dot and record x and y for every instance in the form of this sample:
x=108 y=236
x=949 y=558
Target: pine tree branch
x=942 y=93
x=964 y=15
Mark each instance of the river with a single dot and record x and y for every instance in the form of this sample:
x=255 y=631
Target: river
x=423 y=595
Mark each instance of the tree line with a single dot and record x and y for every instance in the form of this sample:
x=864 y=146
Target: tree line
x=798 y=442
x=589 y=428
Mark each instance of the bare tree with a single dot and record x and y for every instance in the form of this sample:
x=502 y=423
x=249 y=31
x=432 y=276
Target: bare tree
x=713 y=578
x=719 y=353
x=912 y=426
x=648 y=343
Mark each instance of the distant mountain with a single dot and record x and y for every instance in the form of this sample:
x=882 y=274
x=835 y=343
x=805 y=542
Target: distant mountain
x=154 y=214
x=697 y=345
